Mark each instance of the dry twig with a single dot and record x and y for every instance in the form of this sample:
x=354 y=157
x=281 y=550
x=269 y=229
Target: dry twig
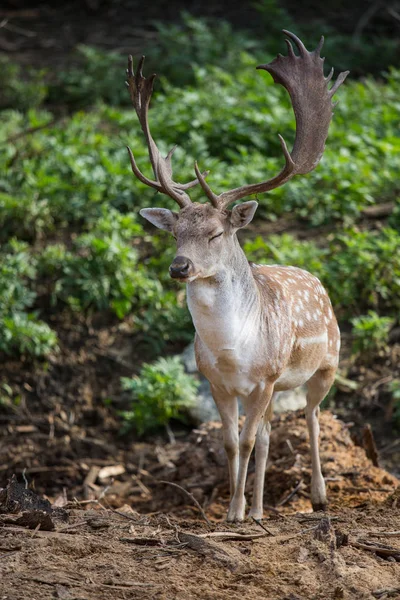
x=231 y=535
x=258 y=522
x=379 y=549
x=193 y=499
x=384 y=533
x=292 y=493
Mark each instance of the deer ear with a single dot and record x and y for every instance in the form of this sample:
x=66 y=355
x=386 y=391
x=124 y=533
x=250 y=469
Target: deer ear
x=242 y=214
x=160 y=217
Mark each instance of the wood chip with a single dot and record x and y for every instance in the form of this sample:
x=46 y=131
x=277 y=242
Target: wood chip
x=111 y=471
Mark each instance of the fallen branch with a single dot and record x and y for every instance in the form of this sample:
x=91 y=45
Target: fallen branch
x=231 y=535
x=141 y=541
x=388 y=593
x=380 y=550
x=384 y=533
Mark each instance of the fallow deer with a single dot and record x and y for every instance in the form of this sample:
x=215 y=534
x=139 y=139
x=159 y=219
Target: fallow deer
x=260 y=329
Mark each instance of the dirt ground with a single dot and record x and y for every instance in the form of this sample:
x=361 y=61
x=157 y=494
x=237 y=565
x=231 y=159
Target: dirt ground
x=102 y=555
x=123 y=532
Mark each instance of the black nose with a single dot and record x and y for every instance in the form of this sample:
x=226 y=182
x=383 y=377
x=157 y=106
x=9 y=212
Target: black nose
x=181 y=267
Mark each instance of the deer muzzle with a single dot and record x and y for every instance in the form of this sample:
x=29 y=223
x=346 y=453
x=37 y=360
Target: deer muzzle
x=181 y=268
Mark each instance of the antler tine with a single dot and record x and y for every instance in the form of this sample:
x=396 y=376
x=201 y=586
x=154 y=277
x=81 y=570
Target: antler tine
x=140 y=90
x=206 y=188
x=303 y=77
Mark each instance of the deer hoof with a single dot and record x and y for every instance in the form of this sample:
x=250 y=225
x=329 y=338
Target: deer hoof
x=256 y=515
x=234 y=519
x=319 y=506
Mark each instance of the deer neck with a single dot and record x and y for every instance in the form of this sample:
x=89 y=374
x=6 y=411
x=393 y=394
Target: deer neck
x=225 y=308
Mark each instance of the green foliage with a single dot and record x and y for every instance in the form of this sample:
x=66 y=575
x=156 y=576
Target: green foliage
x=284 y=249
x=370 y=334
x=180 y=48
x=20 y=331
x=101 y=272
x=160 y=393
x=364 y=270
x=97 y=75
x=230 y=123
x=25 y=217
x=20 y=89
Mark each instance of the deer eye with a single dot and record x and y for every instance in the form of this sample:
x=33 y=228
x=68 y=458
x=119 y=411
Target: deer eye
x=216 y=236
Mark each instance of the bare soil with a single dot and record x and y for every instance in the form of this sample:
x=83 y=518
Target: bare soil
x=121 y=532
x=101 y=555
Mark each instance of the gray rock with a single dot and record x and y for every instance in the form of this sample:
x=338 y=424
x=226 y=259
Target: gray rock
x=205 y=409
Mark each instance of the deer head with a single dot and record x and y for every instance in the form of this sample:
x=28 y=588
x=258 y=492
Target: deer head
x=206 y=233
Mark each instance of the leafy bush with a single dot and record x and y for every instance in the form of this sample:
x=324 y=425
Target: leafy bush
x=25 y=217
x=364 y=270
x=98 y=75
x=370 y=334
x=20 y=89
x=20 y=331
x=179 y=48
x=160 y=393
x=102 y=272
x=229 y=122
x=286 y=250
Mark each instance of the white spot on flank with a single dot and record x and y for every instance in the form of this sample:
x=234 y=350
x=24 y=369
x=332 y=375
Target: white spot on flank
x=316 y=339
x=298 y=308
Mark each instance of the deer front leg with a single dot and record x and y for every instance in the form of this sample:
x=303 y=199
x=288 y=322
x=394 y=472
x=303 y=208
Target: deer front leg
x=255 y=406
x=228 y=410
x=262 y=448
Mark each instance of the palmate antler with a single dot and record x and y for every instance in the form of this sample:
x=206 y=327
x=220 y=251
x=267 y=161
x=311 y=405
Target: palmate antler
x=140 y=90
x=304 y=79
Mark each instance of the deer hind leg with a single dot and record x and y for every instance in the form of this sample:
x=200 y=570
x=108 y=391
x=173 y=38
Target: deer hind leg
x=262 y=448
x=317 y=388
x=255 y=406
